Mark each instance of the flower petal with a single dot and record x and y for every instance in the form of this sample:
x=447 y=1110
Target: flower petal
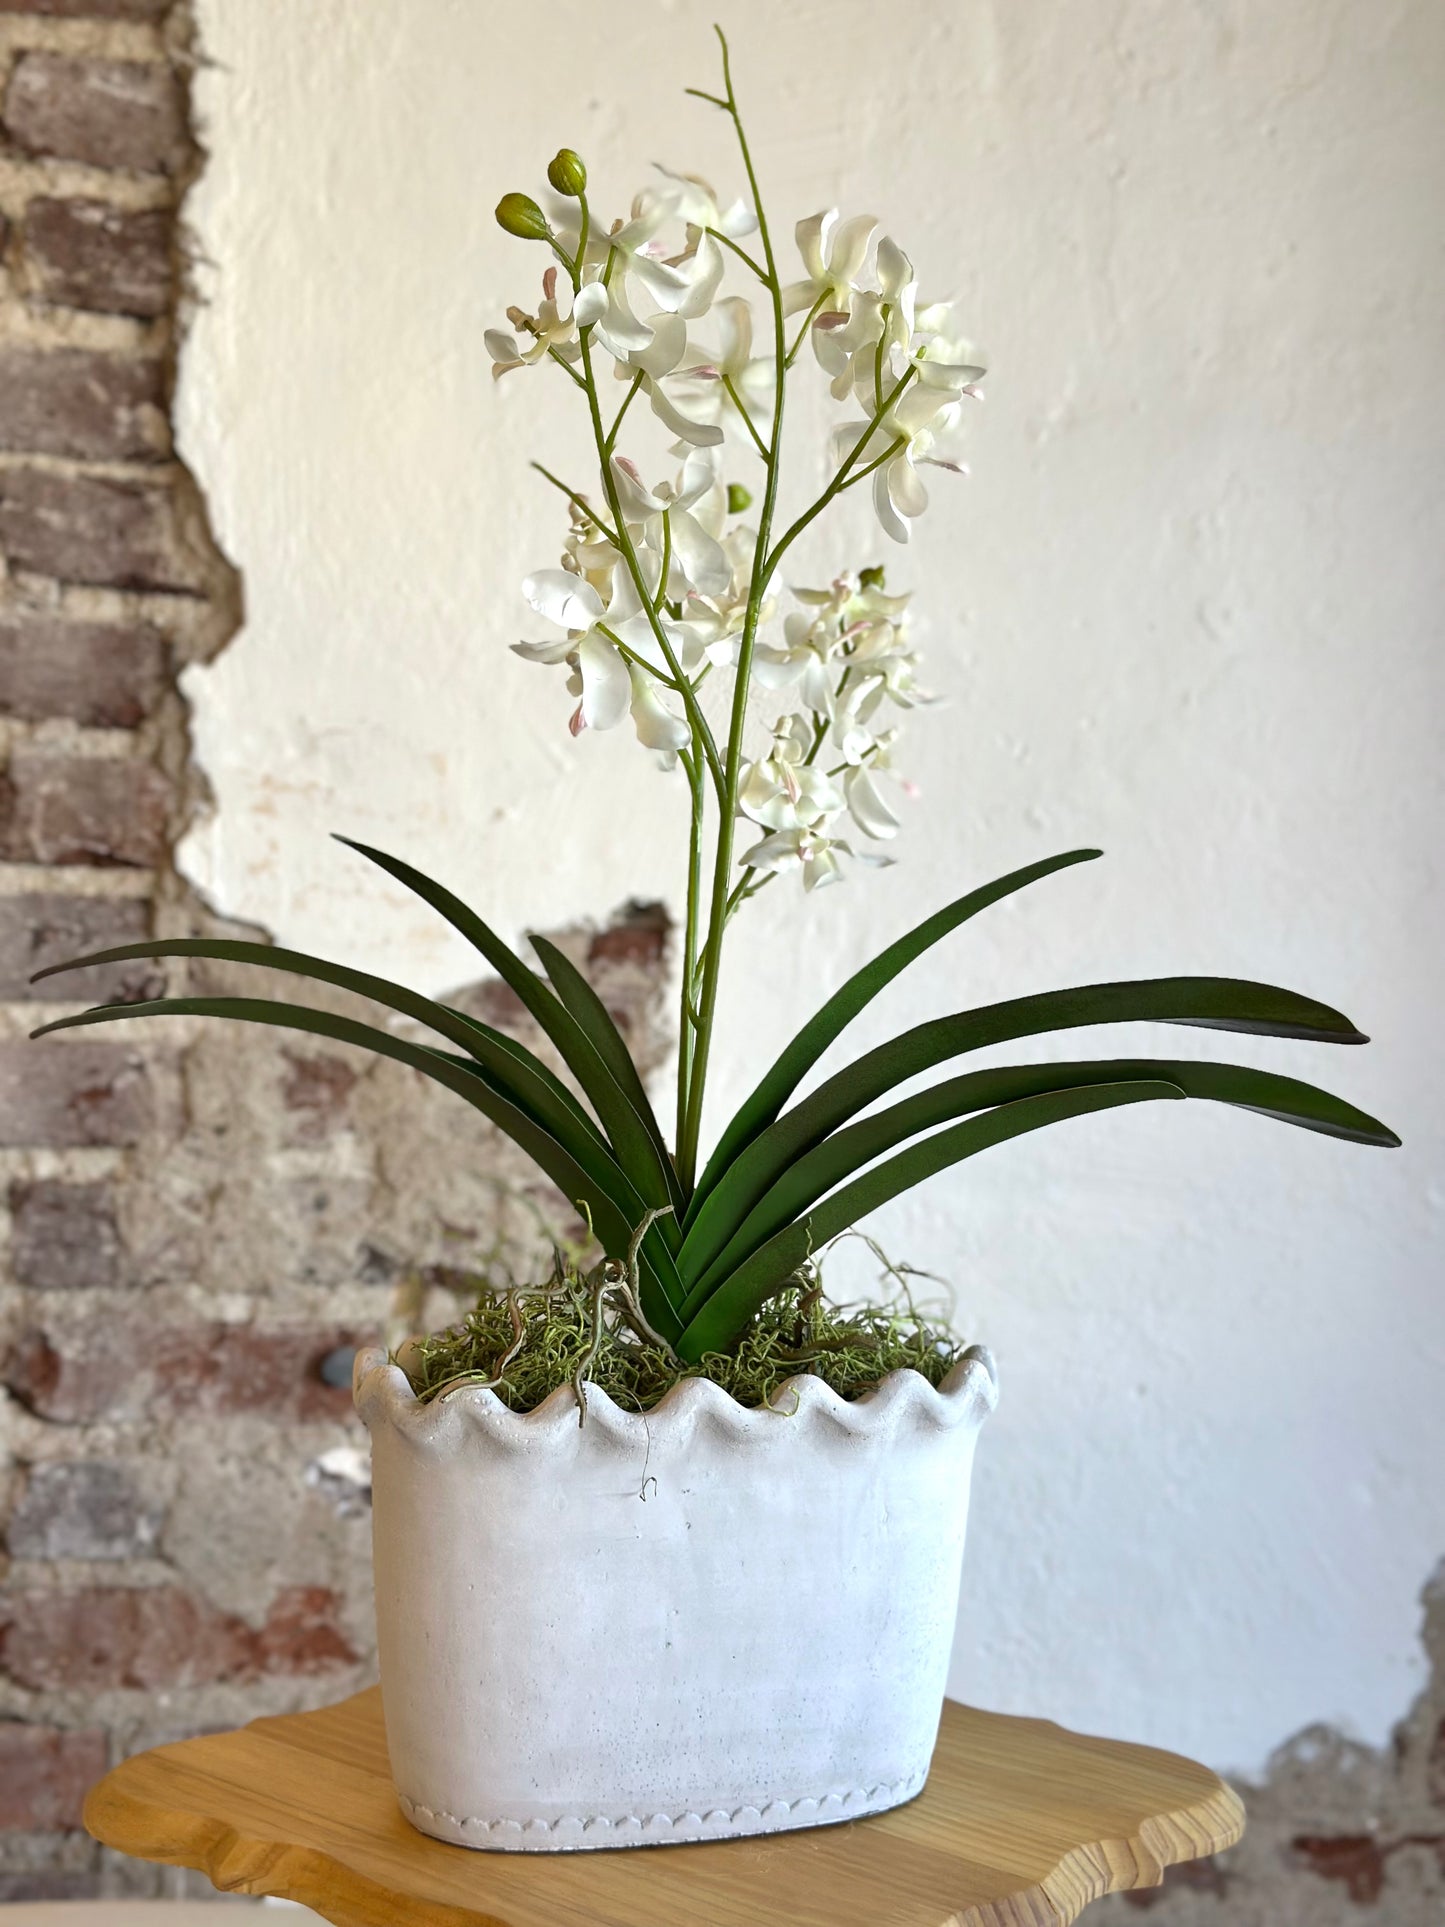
x=656 y=726
x=563 y=598
x=883 y=505
x=699 y=434
x=867 y=807
x=606 y=685
x=591 y=304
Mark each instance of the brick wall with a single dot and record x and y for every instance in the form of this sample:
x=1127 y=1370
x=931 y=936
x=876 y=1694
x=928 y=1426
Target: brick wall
x=196 y=1225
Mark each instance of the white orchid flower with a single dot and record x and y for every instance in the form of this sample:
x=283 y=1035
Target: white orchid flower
x=945 y=359
x=859 y=348
x=796 y=802
x=548 y=329
x=692 y=508
x=713 y=624
x=910 y=429
x=833 y=255
x=730 y=370
x=605 y=682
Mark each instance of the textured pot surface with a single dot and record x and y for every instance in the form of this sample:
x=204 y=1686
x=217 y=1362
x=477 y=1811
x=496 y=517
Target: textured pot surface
x=694 y=1623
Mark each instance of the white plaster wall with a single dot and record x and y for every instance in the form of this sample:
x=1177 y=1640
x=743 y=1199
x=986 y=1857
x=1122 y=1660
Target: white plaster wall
x=1188 y=608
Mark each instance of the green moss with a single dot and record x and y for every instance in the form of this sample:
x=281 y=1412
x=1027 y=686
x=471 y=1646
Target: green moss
x=525 y=1342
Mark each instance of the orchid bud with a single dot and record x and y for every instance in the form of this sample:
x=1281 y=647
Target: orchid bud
x=739 y=499
x=871 y=578
x=519 y=214
x=568 y=173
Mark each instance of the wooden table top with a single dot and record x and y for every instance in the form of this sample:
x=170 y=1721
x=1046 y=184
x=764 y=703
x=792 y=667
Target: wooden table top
x=1021 y=1824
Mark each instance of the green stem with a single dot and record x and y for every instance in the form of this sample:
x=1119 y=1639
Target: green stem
x=566 y=367
x=687 y=1021
x=697 y=722
x=722 y=866
x=578 y=502
x=813 y=313
x=737 y=401
x=727 y=242
x=840 y=480
x=618 y=418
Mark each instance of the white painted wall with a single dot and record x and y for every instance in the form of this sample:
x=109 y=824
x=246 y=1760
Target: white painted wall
x=1189 y=608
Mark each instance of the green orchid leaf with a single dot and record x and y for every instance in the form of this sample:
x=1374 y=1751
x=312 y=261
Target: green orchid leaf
x=725 y=1313
x=593 y=1016
x=630 y=1142
x=1214 y=1003
x=816 y=1173
x=614 y=1206
x=514 y=1069
x=788 y=1071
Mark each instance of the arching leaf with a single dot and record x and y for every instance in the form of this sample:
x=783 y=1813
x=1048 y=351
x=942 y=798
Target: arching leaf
x=788 y=1071
x=728 y=1307
x=818 y=1171
x=1216 y=1003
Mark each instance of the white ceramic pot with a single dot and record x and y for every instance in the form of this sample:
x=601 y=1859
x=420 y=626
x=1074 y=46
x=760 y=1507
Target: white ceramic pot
x=691 y=1624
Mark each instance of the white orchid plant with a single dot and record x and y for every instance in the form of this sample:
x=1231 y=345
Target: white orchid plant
x=667 y=588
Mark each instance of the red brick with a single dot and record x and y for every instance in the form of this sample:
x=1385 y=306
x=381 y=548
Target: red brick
x=83 y=403
x=63 y=1237
x=81 y=253
x=45 y=1774
x=1356 y=1861
x=639 y=936
x=64 y=1094
x=154 y=1637
x=89 y=9
x=38 y=930
x=84 y=809
x=107 y=113
x=315 y=1090
x=108 y=675
x=117 y=534
x=138 y=1367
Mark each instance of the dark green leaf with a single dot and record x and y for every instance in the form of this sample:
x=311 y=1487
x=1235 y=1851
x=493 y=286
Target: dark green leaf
x=630 y=1142
x=789 y=1070
x=848 y=1150
x=512 y=1068
x=594 y=1017
x=613 y=1204
x=721 y=1319
x=1215 y=1003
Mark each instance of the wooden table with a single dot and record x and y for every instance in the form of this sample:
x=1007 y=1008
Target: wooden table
x=1021 y=1824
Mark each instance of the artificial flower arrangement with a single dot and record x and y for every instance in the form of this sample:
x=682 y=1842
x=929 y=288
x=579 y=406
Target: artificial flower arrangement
x=701 y=1614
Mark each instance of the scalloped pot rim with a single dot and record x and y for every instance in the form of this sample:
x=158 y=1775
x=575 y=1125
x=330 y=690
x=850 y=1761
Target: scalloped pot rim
x=383 y=1393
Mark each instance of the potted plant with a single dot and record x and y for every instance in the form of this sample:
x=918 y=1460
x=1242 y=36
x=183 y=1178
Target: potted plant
x=666 y=1548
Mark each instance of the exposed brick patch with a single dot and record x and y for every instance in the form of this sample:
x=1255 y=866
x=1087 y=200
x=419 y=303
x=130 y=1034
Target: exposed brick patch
x=71 y=1094
x=108 y=113
x=45 y=1774
x=84 y=809
x=89 y=9
x=82 y=403
x=148 y=1368
x=1359 y=1861
x=46 y=928
x=85 y=1509
x=80 y=253
x=315 y=1089
x=113 y=533
x=109 y=675
x=153 y=1637
x=639 y=936
x=63 y=1237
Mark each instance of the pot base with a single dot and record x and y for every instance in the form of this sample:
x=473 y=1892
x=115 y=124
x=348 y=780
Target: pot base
x=577 y=1833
